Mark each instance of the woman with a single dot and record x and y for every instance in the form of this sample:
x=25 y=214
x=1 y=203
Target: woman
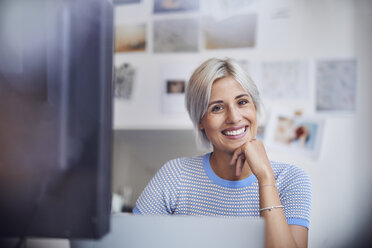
x=236 y=179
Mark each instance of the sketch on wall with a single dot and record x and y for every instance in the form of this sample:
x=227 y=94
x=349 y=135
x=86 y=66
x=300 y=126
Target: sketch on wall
x=336 y=85
x=176 y=35
x=295 y=134
x=130 y=38
x=124 y=80
x=164 y=6
x=285 y=79
x=237 y=31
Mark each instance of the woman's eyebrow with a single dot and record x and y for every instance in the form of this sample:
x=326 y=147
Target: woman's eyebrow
x=220 y=101
x=242 y=95
x=214 y=102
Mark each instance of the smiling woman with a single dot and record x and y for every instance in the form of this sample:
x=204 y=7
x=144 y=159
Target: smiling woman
x=236 y=179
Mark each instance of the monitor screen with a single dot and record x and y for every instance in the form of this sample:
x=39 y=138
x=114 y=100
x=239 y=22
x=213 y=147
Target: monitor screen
x=55 y=118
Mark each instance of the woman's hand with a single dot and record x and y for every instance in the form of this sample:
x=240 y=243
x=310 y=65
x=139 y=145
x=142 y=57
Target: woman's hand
x=253 y=154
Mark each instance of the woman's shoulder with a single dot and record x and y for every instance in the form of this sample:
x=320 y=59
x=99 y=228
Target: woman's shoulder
x=287 y=171
x=179 y=164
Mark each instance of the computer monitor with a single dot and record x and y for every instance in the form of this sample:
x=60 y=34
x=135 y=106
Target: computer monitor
x=55 y=118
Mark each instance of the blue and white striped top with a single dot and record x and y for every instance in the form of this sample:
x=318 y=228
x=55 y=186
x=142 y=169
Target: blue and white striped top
x=189 y=186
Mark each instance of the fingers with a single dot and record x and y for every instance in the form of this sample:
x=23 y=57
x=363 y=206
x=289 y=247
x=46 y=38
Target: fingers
x=237 y=153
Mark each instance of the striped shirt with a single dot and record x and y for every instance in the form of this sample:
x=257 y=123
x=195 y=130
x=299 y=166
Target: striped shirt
x=189 y=186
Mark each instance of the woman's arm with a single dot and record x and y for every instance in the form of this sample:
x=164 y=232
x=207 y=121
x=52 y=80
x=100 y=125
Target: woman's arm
x=278 y=232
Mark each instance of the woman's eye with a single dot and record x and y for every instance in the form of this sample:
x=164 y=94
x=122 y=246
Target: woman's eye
x=216 y=108
x=243 y=102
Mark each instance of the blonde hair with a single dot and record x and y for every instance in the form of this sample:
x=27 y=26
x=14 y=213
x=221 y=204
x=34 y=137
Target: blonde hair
x=198 y=90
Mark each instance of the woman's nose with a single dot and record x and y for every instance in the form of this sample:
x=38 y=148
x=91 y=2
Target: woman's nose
x=233 y=115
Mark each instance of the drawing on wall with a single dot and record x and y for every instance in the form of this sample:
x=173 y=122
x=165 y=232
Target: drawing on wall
x=130 y=38
x=238 y=31
x=124 y=77
x=285 y=79
x=164 y=6
x=336 y=85
x=176 y=35
x=295 y=134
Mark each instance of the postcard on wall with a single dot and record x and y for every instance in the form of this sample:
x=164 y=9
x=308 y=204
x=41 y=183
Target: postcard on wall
x=336 y=83
x=176 y=35
x=167 y=6
x=174 y=77
x=285 y=79
x=173 y=101
x=130 y=37
x=238 y=31
x=124 y=81
x=295 y=134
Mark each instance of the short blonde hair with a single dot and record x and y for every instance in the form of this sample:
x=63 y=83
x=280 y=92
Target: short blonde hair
x=198 y=90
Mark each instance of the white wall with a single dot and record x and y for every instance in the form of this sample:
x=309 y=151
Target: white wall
x=340 y=176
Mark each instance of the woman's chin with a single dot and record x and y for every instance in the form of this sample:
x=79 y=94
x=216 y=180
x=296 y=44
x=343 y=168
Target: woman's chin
x=229 y=148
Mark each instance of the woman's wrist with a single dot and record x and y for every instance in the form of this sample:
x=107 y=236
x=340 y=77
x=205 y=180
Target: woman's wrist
x=266 y=179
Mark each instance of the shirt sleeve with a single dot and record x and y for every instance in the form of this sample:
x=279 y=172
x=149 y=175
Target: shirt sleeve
x=160 y=196
x=295 y=194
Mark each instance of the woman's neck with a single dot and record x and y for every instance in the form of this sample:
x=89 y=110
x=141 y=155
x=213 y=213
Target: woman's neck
x=220 y=163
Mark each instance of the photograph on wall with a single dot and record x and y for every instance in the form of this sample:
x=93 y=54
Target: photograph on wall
x=238 y=31
x=295 y=134
x=174 y=98
x=176 y=35
x=174 y=78
x=336 y=83
x=130 y=38
x=124 y=81
x=168 y=6
x=284 y=80
x=176 y=86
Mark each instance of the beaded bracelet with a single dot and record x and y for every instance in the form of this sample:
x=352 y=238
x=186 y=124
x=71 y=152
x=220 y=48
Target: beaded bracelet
x=270 y=208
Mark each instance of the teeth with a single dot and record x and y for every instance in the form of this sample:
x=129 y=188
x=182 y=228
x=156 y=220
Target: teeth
x=235 y=132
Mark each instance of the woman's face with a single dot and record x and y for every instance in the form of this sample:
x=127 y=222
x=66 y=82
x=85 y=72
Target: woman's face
x=230 y=119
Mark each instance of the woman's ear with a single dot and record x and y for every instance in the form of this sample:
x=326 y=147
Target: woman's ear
x=201 y=127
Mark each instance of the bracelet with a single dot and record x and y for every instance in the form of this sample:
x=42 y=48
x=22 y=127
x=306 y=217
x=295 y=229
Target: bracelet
x=270 y=208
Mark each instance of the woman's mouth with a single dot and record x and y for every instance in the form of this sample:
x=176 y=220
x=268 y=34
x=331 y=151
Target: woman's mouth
x=232 y=132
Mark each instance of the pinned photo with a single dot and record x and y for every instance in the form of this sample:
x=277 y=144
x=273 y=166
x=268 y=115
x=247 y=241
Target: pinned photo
x=295 y=134
x=176 y=35
x=336 y=82
x=124 y=77
x=130 y=38
x=165 y=6
x=237 y=31
x=175 y=86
